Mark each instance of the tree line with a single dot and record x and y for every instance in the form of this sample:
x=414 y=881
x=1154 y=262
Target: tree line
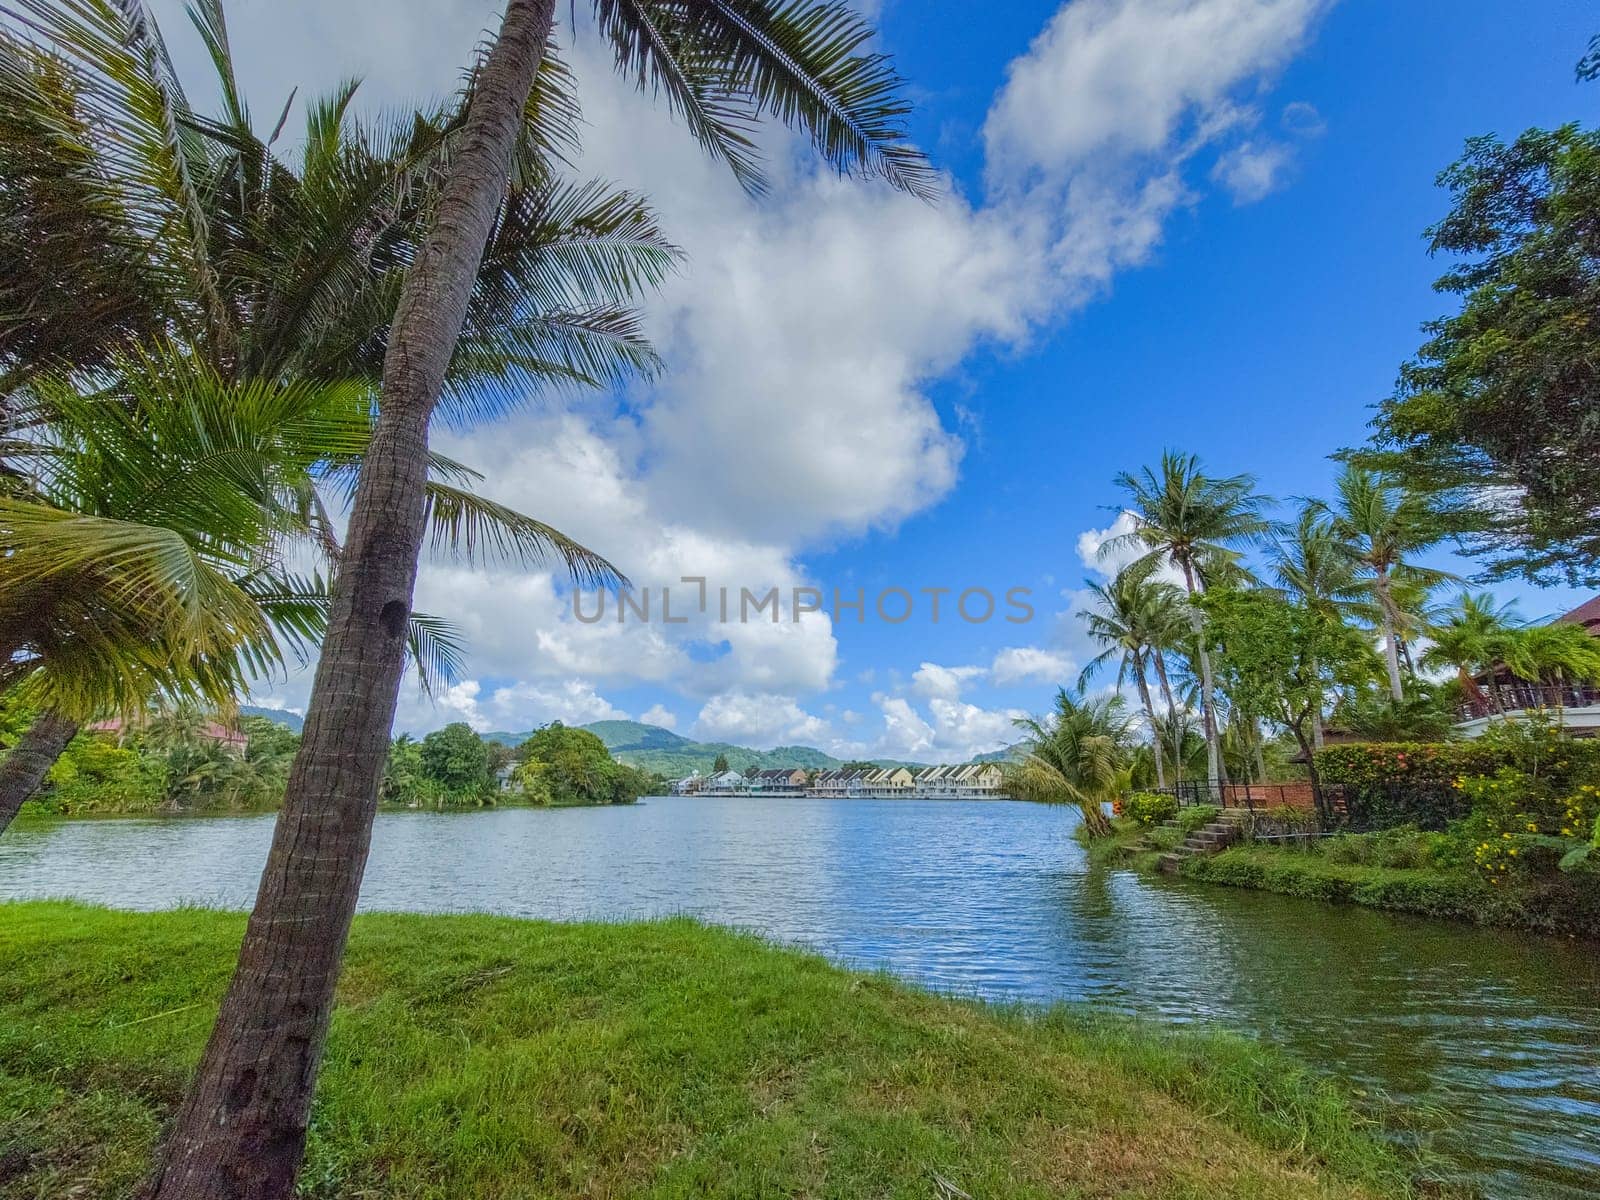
x=1245 y=633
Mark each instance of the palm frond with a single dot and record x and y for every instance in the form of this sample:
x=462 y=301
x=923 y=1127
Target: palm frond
x=464 y=523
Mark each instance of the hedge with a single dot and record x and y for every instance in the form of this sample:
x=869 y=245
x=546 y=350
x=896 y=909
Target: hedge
x=1413 y=783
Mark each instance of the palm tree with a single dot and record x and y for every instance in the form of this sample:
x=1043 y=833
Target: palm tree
x=722 y=65
x=1472 y=636
x=1310 y=565
x=1557 y=653
x=1134 y=617
x=1077 y=755
x=1185 y=519
x=303 y=265
x=1382 y=526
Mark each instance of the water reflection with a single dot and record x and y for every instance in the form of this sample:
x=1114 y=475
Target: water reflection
x=1501 y=1031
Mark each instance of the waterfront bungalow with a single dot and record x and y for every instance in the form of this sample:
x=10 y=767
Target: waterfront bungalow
x=779 y=781
x=727 y=783
x=888 y=781
x=964 y=781
x=689 y=785
x=1502 y=694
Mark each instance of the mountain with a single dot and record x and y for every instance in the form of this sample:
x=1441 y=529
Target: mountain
x=656 y=749
x=281 y=716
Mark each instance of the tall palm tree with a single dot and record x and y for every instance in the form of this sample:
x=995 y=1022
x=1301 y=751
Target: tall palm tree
x=722 y=65
x=1185 y=519
x=1310 y=564
x=1077 y=755
x=1134 y=618
x=1383 y=526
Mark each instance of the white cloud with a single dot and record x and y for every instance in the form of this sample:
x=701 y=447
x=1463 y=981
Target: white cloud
x=1121 y=79
x=1035 y=664
x=1253 y=170
x=762 y=721
x=515 y=707
x=801 y=336
x=658 y=714
x=934 y=681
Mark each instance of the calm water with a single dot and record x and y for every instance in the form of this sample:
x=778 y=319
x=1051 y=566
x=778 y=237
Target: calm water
x=1499 y=1031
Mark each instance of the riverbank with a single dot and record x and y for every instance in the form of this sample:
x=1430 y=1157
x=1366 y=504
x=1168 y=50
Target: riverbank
x=1312 y=871
x=477 y=1056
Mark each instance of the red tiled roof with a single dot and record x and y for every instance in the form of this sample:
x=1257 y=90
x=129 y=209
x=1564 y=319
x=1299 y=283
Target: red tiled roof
x=1586 y=614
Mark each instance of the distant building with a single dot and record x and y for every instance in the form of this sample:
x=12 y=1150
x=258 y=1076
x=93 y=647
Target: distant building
x=726 y=783
x=779 y=781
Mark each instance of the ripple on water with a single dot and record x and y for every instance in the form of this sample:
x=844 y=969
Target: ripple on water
x=1499 y=1032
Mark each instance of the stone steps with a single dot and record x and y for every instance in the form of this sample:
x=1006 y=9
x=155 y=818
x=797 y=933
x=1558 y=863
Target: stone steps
x=1208 y=839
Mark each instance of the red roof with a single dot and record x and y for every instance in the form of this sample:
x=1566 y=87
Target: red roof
x=1586 y=614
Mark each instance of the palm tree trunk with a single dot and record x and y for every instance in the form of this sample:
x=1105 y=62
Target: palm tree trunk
x=1391 y=651
x=1207 y=691
x=1260 y=754
x=240 y=1132
x=1172 y=715
x=36 y=751
x=1155 y=730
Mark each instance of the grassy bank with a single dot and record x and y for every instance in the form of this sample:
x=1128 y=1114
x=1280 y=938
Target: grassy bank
x=1402 y=879
x=475 y=1056
x=1556 y=906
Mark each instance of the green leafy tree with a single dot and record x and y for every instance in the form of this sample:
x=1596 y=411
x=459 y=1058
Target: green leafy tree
x=1079 y=754
x=1495 y=414
x=573 y=766
x=1281 y=657
x=1312 y=565
x=456 y=759
x=720 y=765
x=1196 y=524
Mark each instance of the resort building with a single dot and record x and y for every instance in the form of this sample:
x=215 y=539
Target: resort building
x=1501 y=693
x=728 y=783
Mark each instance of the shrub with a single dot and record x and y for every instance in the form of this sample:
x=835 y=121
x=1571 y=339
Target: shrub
x=1150 y=808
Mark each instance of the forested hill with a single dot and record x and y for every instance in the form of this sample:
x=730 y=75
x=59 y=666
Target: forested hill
x=656 y=749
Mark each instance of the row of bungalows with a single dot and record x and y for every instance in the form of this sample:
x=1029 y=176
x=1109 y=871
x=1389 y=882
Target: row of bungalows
x=967 y=781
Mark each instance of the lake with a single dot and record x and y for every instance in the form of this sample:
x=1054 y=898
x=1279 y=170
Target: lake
x=1498 y=1031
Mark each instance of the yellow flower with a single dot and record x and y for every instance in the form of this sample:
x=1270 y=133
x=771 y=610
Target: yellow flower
x=1513 y=850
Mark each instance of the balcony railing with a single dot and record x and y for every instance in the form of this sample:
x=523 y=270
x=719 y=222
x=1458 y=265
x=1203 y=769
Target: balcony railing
x=1517 y=695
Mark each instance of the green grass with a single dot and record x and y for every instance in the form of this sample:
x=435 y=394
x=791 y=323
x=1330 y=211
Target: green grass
x=1560 y=905
x=475 y=1057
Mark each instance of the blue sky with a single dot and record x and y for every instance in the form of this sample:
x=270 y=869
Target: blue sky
x=1184 y=223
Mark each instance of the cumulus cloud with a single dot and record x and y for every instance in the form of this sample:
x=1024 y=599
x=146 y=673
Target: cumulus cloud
x=759 y=720
x=1035 y=664
x=801 y=337
x=945 y=683
x=658 y=714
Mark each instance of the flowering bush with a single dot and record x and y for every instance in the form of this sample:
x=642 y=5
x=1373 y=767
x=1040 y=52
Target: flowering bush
x=1521 y=826
x=1150 y=808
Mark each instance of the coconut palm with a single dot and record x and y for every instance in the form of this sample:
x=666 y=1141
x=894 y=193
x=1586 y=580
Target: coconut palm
x=1383 y=526
x=722 y=65
x=1471 y=636
x=1555 y=654
x=1079 y=754
x=1189 y=521
x=1310 y=564
x=1134 y=617
x=298 y=266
